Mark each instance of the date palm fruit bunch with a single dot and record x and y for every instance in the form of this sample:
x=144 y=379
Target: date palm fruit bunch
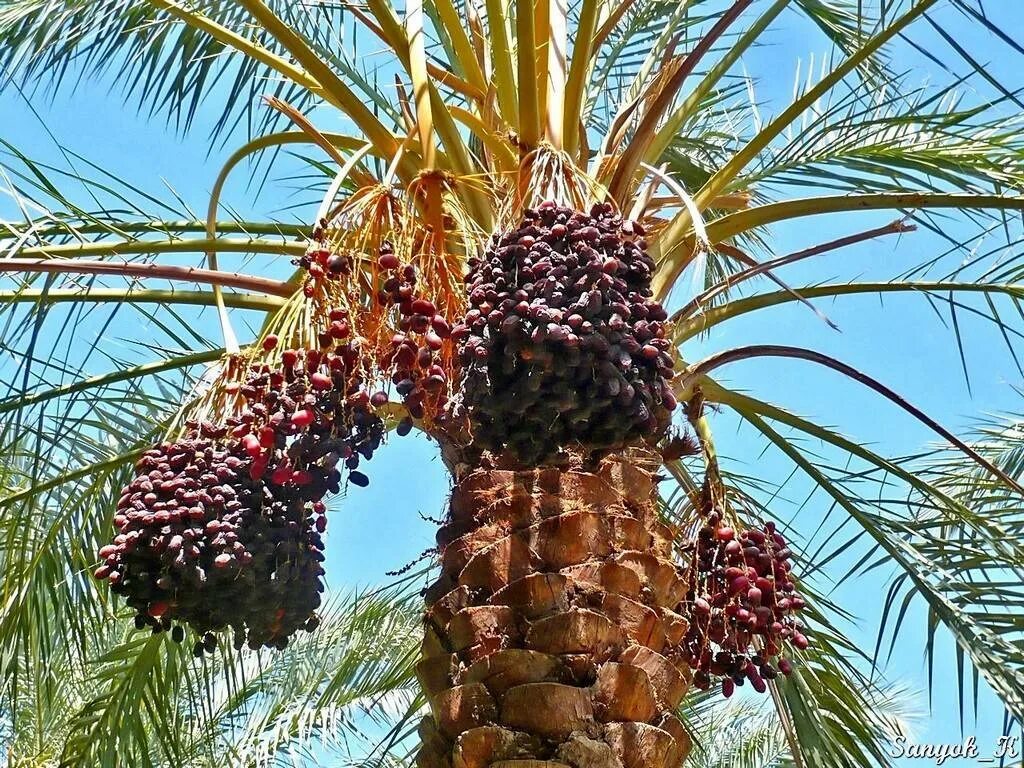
x=563 y=345
x=401 y=282
x=420 y=378
x=742 y=605
x=205 y=541
x=222 y=525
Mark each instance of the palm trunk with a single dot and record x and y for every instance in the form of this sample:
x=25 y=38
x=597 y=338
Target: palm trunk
x=550 y=639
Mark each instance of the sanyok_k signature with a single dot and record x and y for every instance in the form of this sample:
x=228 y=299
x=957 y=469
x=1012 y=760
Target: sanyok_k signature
x=1007 y=751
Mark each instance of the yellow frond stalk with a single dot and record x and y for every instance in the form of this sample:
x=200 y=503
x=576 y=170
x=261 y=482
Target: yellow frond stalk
x=557 y=52
x=579 y=69
x=315 y=136
x=420 y=82
x=501 y=62
x=503 y=156
x=479 y=41
x=450 y=79
x=405 y=106
x=466 y=55
x=334 y=89
x=526 y=59
x=541 y=40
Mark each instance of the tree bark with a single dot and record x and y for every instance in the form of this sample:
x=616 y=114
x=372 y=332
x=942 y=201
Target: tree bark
x=550 y=639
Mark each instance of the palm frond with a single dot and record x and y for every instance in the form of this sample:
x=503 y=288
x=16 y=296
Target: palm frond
x=899 y=138
x=133 y=695
x=165 y=65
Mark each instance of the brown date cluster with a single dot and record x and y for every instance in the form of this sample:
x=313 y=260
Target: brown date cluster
x=742 y=605
x=563 y=345
x=309 y=417
x=414 y=357
x=201 y=542
x=222 y=528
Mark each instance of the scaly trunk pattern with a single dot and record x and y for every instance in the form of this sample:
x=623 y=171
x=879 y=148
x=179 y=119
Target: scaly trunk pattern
x=550 y=637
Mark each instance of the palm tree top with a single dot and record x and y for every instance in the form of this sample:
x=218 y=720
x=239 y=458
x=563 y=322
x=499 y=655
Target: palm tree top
x=489 y=107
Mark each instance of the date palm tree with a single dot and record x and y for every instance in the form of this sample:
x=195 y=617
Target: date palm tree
x=553 y=627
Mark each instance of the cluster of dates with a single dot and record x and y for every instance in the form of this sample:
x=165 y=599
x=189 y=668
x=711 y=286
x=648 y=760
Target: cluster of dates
x=201 y=542
x=563 y=346
x=414 y=356
x=742 y=606
x=309 y=416
x=222 y=528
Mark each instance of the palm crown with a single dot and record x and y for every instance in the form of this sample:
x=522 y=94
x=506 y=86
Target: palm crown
x=496 y=107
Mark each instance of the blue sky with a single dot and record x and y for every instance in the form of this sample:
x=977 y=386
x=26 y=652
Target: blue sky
x=898 y=340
